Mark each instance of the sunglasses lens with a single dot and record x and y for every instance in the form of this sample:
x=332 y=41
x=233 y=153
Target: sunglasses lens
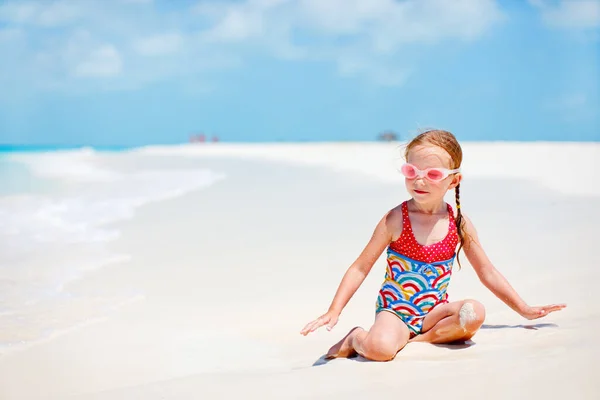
x=409 y=171
x=435 y=174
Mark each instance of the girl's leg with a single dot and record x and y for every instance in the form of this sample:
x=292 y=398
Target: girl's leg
x=452 y=322
x=382 y=342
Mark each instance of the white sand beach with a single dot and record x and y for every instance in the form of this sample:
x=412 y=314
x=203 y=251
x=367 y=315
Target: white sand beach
x=212 y=280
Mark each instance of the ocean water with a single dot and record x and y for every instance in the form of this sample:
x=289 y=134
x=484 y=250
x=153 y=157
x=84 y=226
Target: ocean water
x=60 y=209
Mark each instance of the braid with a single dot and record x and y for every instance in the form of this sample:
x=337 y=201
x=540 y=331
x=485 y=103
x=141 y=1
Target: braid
x=460 y=223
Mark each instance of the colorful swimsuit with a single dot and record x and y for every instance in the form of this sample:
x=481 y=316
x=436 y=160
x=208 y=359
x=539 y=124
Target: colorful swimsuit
x=417 y=276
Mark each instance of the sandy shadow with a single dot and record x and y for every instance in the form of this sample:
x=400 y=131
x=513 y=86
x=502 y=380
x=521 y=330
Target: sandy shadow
x=323 y=360
x=532 y=326
x=451 y=346
x=457 y=345
x=357 y=358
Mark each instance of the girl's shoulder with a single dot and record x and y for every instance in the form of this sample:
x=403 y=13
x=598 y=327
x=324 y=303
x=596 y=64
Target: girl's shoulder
x=393 y=221
x=396 y=213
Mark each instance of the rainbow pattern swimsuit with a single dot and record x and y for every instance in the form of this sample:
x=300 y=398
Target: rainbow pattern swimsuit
x=417 y=276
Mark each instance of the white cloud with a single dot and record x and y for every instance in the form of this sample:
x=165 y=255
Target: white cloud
x=380 y=74
x=160 y=44
x=237 y=24
x=43 y=14
x=568 y=102
x=105 y=61
x=396 y=23
x=574 y=14
x=361 y=39
x=10 y=34
x=378 y=20
x=370 y=30
x=572 y=107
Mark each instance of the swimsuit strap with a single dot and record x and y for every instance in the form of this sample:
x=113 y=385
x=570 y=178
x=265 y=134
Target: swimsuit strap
x=405 y=219
x=451 y=215
x=407 y=231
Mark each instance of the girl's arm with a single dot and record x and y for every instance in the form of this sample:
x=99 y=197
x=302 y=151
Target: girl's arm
x=495 y=281
x=358 y=271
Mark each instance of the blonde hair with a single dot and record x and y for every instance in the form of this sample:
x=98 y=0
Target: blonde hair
x=448 y=142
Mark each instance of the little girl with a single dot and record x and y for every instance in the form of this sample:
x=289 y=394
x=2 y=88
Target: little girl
x=421 y=236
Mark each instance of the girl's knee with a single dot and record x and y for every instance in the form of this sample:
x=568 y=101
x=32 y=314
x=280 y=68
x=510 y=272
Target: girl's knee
x=471 y=315
x=378 y=347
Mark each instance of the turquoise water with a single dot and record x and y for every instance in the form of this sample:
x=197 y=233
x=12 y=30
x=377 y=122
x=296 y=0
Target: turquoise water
x=24 y=148
x=16 y=178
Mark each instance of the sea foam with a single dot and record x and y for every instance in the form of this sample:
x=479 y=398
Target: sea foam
x=50 y=238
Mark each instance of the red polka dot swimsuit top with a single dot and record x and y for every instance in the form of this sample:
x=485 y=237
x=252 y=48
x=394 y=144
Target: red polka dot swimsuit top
x=408 y=246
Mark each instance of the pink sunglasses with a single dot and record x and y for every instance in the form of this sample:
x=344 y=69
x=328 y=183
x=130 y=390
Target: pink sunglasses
x=433 y=174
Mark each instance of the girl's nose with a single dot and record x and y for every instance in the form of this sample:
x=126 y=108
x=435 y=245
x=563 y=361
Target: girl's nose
x=419 y=181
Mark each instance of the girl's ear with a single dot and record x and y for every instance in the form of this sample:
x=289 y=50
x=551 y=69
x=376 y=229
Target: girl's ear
x=455 y=180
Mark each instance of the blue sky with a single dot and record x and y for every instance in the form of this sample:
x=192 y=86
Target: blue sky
x=132 y=72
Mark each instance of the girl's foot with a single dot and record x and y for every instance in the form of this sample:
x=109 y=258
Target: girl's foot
x=343 y=348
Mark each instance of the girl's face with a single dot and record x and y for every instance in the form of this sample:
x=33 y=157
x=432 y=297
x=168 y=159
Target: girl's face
x=425 y=190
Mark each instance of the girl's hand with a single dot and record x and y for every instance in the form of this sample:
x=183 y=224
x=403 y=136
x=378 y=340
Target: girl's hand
x=330 y=318
x=538 y=312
